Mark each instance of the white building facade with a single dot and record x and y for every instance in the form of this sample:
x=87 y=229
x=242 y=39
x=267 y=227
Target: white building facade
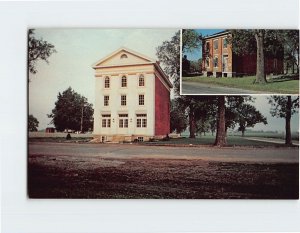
x=126 y=108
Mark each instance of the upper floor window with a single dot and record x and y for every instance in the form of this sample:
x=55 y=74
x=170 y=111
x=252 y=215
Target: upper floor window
x=207 y=47
x=216 y=44
x=141 y=99
x=106 y=82
x=225 y=42
x=123 y=100
x=106 y=100
x=124 y=81
x=141 y=80
x=123 y=56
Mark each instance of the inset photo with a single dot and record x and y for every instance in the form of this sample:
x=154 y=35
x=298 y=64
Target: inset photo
x=230 y=62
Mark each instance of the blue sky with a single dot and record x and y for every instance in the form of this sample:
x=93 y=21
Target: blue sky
x=197 y=53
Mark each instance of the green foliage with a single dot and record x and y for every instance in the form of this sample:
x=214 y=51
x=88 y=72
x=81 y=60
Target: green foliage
x=33 y=123
x=178 y=118
x=279 y=106
x=196 y=66
x=190 y=40
x=70 y=110
x=248 y=116
x=169 y=56
x=38 y=49
x=244 y=42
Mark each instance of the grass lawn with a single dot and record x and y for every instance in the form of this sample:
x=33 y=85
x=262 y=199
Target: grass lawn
x=284 y=85
x=209 y=140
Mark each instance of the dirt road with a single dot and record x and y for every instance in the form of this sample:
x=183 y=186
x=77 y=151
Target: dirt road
x=69 y=170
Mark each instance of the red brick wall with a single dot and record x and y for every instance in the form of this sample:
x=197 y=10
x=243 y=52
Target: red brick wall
x=162 y=109
x=219 y=52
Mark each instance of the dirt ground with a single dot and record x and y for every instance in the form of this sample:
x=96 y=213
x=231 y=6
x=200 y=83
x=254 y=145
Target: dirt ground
x=60 y=176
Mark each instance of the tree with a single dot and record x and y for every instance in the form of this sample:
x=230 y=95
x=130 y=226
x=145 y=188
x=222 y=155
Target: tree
x=33 y=123
x=196 y=108
x=248 y=116
x=38 y=49
x=221 y=132
x=290 y=39
x=285 y=107
x=178 y=118
x=191 y=40
x=169 y=56
x=72 y=111
x=257 y=41
x=227 y=115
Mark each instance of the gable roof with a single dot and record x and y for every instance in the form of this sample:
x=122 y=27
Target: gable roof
x=143 y=58
x=140 y=59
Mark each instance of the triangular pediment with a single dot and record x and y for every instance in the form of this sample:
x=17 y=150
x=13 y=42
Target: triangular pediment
x=123 y=56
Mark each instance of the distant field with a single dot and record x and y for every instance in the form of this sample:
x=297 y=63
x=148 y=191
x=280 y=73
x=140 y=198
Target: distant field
x=284 y=86
x=295 y=136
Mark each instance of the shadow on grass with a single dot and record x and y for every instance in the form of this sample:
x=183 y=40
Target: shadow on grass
x=284 y=78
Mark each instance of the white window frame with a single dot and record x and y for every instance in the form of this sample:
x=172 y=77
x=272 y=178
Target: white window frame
x=141 y=99
x=106 y=121
x=141 y=80
x=217 y=42
x=106 y=100
x=141 y=120
x=123 y=120
x=124 y=81
x=107 y=82
x=216 y=57
x=123 y=100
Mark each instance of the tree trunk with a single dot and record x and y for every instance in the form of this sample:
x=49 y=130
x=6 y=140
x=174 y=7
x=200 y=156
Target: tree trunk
x=243 y=133
x=221 y=133
x=288 y=134
x=192 y=123
x=260 y=60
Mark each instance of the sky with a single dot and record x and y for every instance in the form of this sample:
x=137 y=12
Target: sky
x=79 y=49
x=197 y=53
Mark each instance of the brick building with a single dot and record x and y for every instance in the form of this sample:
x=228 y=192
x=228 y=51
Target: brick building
x=132 y=98
x=219 y=60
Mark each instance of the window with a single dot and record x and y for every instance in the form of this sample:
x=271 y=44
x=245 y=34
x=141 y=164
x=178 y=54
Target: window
x=141 y=81
x=140 y=139
x=141 y=99
x=106 y=82
x=141 y=120
x=123 y=120
x=216 y=62
x=207 y=47
x=216 y=44
x=225 y=42
x=106 y=100
x=105 y=120
x=207 y=61
x=123 y=100
x=123 y=56
x=124 y=81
